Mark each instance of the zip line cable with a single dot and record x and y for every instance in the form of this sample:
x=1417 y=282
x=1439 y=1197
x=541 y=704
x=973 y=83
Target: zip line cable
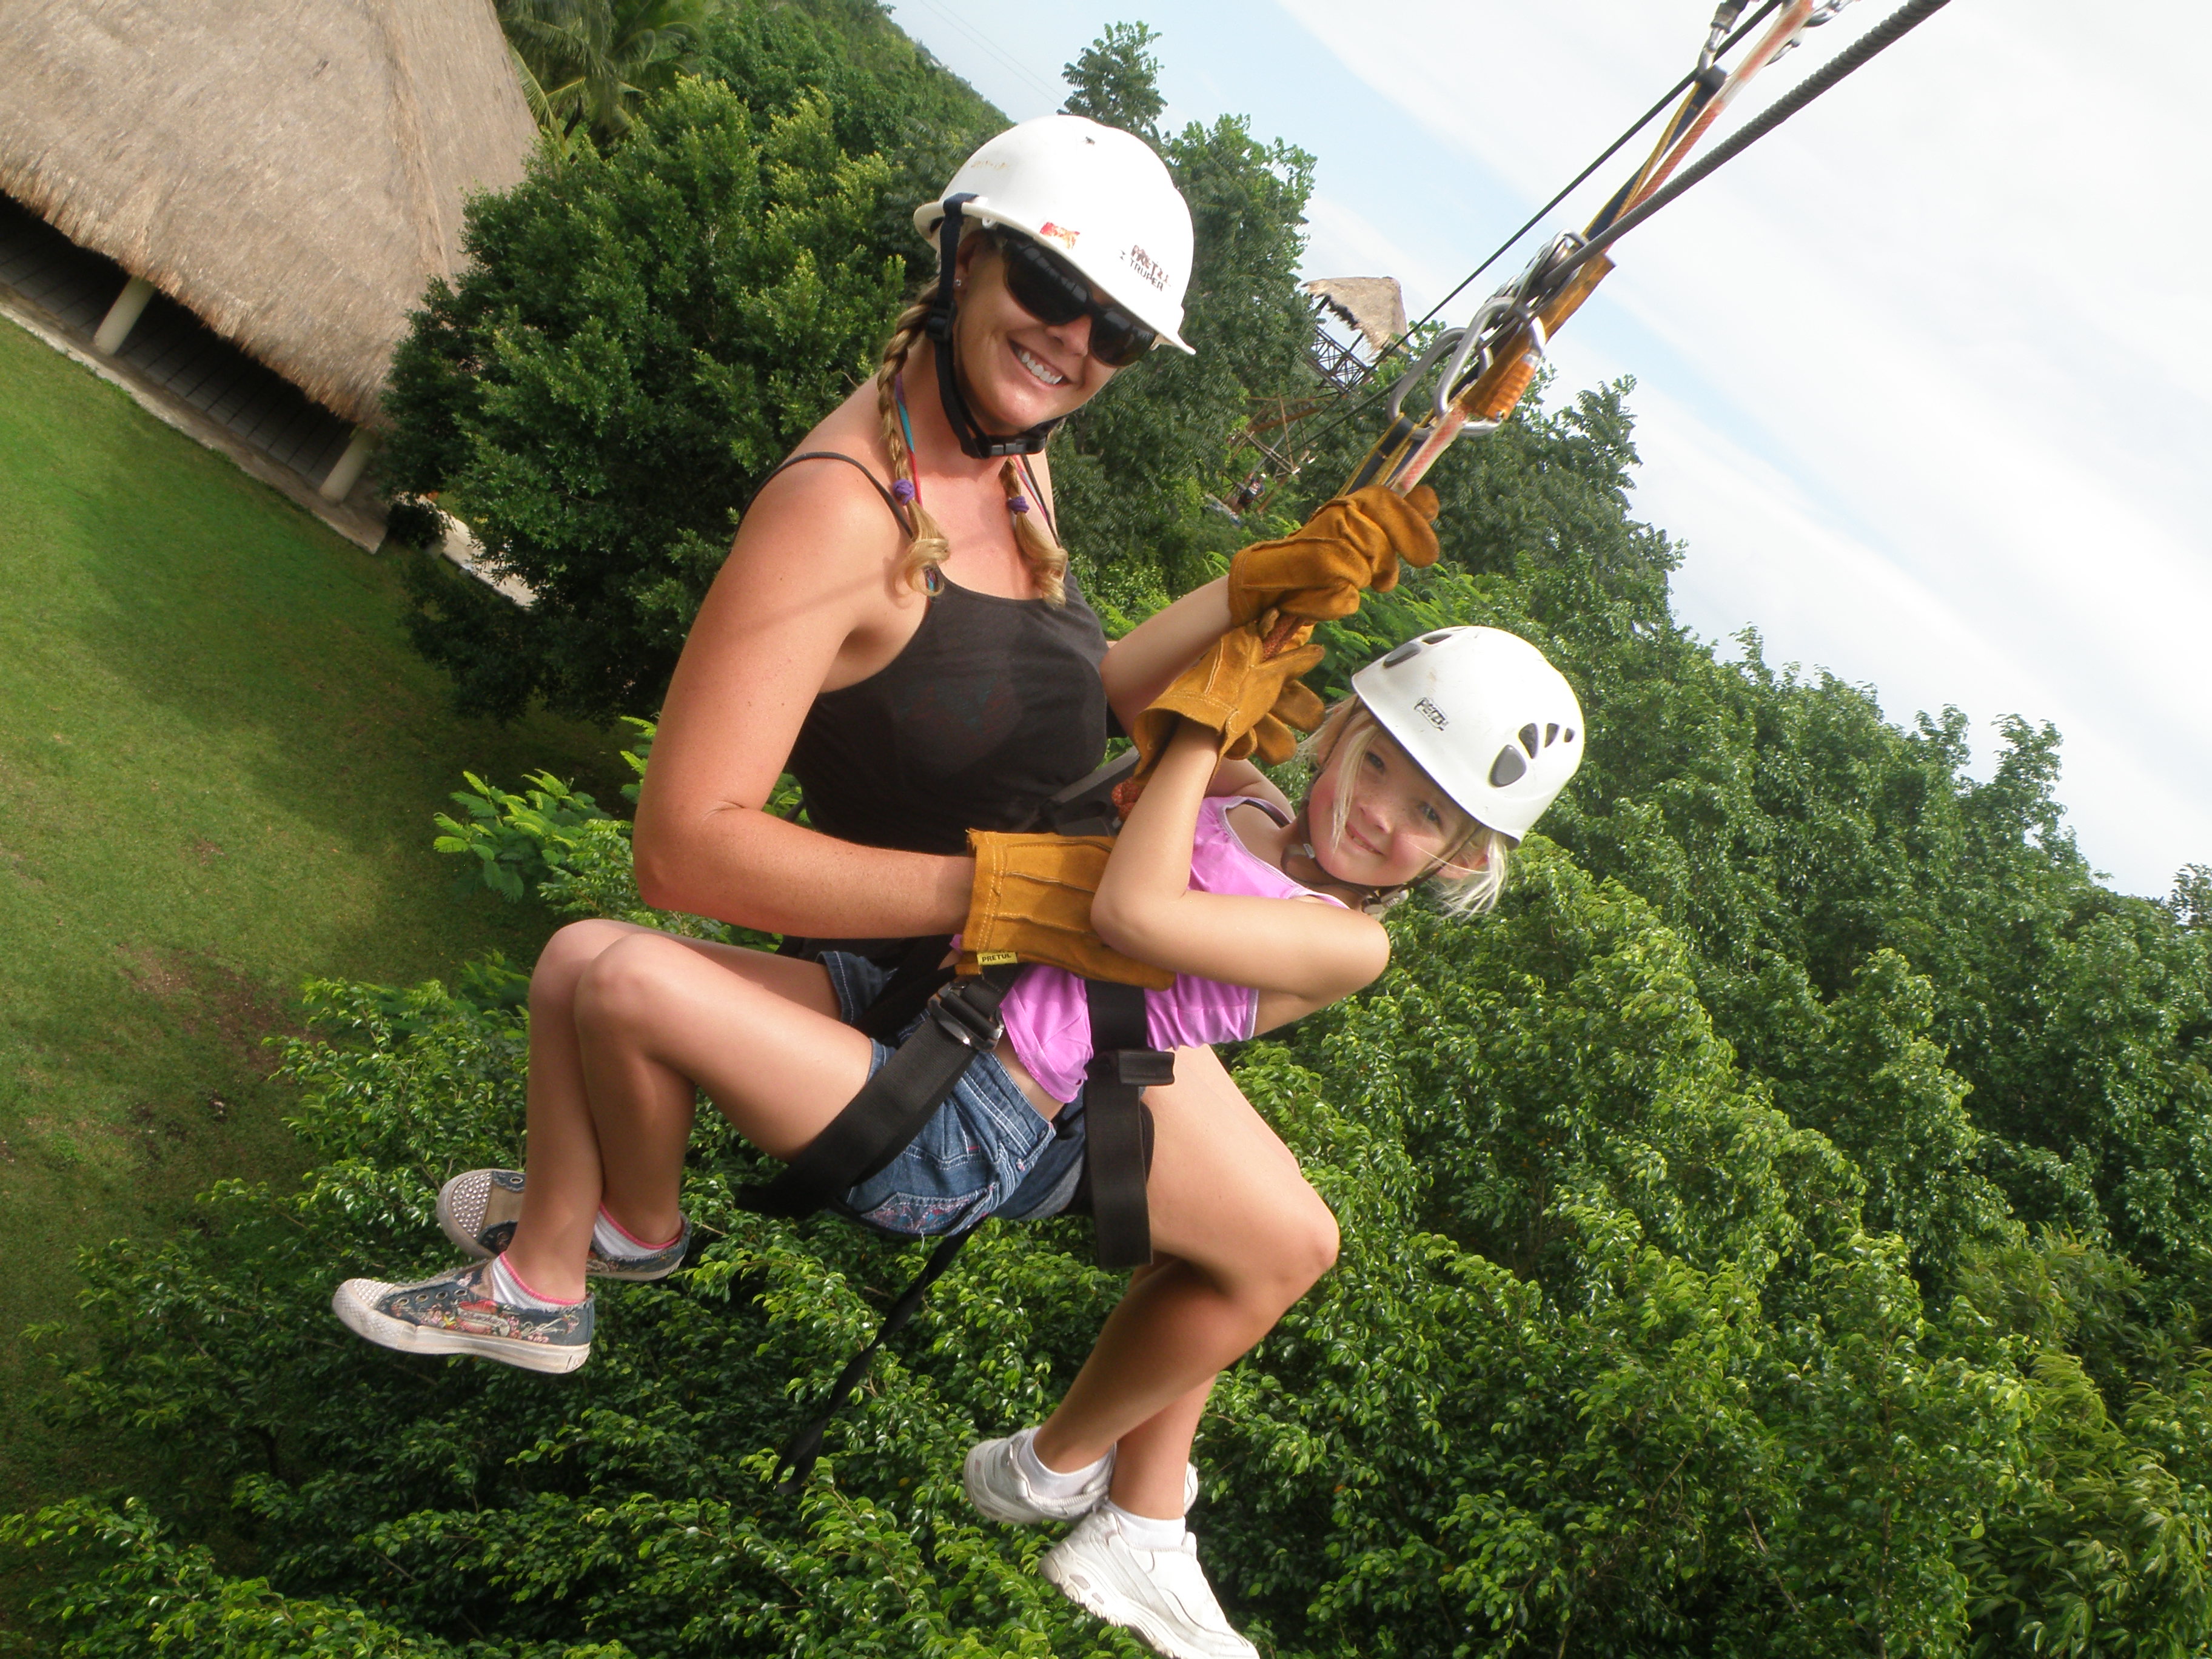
x=1875 y=41
x=1611 y=150
x=1560 y=280
x=1583 y=178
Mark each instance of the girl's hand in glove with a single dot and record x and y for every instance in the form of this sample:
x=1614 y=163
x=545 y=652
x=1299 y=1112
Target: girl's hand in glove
x=1248 y=698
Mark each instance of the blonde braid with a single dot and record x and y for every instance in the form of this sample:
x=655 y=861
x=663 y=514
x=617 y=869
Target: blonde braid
x=1047 y=559
x=928 y=549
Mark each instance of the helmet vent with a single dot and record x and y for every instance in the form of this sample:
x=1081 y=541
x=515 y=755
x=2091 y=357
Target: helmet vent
x=1551 y=733
x=1436 y=638
x=1567 y=733
x=1507 y=767
x=1528 y=738
x=1411 y=649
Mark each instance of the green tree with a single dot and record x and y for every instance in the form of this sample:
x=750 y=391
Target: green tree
x=586 y=66
x=1115 y=82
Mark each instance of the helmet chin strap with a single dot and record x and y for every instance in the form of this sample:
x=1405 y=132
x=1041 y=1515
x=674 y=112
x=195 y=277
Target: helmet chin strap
x=975 y=442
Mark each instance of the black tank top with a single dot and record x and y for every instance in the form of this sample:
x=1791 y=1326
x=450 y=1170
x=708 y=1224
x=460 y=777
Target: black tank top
x=992 y=705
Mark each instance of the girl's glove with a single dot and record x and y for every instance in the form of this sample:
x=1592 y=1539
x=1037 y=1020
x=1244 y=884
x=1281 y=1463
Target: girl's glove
x=1249 y=699
x=1031 y=902
x=1353 y=542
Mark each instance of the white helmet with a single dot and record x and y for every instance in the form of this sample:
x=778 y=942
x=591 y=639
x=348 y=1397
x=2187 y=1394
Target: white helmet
x=1485 y=714
x=1097 y=196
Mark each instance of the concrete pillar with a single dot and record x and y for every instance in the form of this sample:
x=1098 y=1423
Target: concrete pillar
x=121 y=316
x=347 y=472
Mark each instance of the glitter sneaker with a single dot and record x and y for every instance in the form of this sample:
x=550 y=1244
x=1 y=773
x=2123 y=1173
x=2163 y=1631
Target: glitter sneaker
x=1161 y=1596
x=454 y=1313
x=478 y=1208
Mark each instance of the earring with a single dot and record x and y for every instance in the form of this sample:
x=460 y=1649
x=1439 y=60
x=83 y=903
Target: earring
x=959 y=281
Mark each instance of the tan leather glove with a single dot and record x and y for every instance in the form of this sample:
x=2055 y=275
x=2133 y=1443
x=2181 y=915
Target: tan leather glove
x=1239 y=692
x=1353 y=542
x=1031 y=902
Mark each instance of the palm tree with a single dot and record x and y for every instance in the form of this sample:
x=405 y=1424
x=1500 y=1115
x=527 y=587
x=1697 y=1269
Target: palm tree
x=587 y=65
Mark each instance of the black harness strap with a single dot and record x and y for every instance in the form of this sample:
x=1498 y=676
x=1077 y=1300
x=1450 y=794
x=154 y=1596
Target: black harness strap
x=804 y=1447
x=894 y=1104
x=1117 y=1145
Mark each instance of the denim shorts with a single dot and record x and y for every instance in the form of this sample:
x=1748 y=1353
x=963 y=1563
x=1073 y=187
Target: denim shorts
x=986 y=1151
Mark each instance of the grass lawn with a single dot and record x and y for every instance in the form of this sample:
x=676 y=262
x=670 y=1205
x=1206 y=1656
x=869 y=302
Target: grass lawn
x=219 y=759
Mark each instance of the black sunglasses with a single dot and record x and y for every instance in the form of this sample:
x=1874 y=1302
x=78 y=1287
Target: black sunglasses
x=1048 y=287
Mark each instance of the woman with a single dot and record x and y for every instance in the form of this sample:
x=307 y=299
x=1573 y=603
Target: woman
x=894 y=625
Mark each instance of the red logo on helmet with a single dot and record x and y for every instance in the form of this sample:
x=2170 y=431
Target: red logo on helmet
x=1059 y=233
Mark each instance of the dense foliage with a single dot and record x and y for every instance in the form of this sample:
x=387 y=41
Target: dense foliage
x=1783 y=1229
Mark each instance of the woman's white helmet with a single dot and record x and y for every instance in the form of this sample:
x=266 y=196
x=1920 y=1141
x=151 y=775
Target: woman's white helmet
x=1485 y=714
x=1097 y=196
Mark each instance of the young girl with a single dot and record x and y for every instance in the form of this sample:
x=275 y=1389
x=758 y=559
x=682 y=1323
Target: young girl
x=1451 y=747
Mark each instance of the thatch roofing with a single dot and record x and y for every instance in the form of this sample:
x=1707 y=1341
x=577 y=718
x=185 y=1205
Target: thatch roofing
x=292 y=171
x=1373 y=304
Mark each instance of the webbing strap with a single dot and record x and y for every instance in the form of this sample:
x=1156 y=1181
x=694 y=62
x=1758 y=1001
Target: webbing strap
x=893 y=1105
x=1123 y=1063
x=804 y=1447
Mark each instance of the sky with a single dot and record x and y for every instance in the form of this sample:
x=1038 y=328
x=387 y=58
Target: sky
x=1921 y=380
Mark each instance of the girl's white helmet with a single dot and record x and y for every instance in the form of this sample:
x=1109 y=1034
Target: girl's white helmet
x=1485 y=714
x=1095 y=195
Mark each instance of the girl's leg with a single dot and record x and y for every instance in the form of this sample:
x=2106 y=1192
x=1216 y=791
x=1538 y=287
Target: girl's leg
x=1241 y=1236
x=625 y=1024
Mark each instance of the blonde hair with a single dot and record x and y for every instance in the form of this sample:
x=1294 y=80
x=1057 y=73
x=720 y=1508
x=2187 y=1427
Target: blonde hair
x=1460 y=887
x=928 y=550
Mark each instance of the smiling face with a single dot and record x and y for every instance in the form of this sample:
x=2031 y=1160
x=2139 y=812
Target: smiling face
x=1397 y=826
x=1017 y=371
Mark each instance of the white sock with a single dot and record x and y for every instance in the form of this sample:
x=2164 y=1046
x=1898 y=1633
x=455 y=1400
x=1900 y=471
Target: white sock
x=1044 y=1479
x=1147 y=1532
x=609 y=1239
x=507 y=1289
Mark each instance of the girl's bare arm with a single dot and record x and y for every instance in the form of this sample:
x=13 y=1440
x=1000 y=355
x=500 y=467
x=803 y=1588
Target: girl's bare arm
x=1309 y=954
x=1146 y=660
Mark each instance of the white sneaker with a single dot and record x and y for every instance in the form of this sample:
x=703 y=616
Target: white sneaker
x=997 y=1486
x=1161 y=1594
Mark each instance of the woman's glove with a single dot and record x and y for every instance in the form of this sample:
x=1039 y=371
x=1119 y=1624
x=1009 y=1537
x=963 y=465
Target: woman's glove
x=1249 y=699
x=1353 y=542
x=1031 y=902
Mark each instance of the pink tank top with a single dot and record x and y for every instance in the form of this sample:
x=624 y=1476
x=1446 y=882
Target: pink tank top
x=1047 y=1013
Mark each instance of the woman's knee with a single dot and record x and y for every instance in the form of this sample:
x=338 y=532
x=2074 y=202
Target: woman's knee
x=562 y=963
x=628 y=980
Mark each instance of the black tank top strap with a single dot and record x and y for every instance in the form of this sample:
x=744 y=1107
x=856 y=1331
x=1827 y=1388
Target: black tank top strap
x=897 y=507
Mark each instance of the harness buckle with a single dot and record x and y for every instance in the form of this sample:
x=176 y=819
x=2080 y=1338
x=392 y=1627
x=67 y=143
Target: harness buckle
x=965 y=1024
x=1136 y=1068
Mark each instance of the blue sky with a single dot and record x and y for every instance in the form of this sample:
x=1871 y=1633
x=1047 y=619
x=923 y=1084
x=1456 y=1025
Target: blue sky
x=1922 y=380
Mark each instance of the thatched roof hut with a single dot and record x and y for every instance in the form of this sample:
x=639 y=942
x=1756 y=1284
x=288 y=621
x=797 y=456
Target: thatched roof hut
x=291 y=171
x=1373 y=304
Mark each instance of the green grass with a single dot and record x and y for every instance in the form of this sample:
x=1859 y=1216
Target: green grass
x=219 y=760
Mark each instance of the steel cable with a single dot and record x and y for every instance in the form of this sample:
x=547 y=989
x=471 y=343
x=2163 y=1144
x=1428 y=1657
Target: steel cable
x=1880 y=38
x=1611 y=150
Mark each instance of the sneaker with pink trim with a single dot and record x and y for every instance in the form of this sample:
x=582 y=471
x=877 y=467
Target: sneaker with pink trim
x=477 y=1209
x=456 y=1313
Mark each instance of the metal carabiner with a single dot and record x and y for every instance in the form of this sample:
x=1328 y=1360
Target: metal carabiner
x=1480 y=333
